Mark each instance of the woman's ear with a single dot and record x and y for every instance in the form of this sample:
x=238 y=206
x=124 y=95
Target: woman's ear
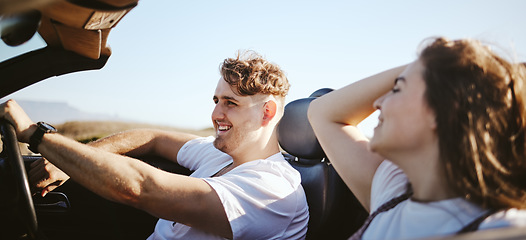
x=431 y=119
x=269 y=109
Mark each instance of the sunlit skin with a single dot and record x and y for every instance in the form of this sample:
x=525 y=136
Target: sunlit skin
x=239 y=123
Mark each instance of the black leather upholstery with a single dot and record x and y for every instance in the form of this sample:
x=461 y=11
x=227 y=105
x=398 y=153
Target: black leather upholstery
x=334 y=211
x=295 y=133
x=320 y=92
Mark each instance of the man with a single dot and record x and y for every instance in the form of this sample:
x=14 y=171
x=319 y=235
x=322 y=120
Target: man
x=241 y=188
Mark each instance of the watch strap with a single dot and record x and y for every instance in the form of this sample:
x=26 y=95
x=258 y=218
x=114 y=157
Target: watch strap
x=36 y=137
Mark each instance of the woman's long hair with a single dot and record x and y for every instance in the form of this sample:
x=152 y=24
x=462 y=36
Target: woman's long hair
x=478 y=98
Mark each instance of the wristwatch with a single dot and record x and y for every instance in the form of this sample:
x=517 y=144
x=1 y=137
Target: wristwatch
x=36 y=137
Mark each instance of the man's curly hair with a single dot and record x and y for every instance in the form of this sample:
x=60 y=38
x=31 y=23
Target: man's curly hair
x=250 y=74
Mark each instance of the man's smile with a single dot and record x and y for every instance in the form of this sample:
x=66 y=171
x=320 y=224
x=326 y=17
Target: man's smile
x=222 y=127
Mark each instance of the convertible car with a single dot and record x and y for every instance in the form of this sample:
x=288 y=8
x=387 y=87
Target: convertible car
x=75 y=32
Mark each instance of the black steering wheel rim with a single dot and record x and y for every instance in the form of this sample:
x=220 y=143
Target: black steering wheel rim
x=16 y=169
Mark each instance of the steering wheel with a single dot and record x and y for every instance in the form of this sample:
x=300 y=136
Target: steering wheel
x=17 y=176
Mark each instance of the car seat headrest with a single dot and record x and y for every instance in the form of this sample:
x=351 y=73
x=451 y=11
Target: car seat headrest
x=320 y=92
x=295 y=133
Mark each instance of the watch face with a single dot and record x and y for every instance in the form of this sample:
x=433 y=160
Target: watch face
x=47 y=127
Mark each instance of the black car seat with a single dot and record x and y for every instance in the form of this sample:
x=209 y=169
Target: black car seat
x=334 y=211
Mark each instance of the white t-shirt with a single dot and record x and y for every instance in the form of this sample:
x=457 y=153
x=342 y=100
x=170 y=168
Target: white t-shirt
x=411 y=219
x=263 y=199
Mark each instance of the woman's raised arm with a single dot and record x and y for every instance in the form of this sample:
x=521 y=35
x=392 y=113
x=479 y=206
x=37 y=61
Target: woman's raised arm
x=334 y=118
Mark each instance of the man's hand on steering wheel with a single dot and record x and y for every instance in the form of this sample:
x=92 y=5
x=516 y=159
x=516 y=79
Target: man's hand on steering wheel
x=43 y=176
x=14 y=114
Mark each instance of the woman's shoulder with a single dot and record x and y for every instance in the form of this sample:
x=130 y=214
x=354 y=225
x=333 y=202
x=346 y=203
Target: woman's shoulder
x=389 y=181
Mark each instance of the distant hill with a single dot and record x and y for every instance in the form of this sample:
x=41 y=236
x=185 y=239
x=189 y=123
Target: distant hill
x=60 y=112
x=90 y=130
x=84 y=126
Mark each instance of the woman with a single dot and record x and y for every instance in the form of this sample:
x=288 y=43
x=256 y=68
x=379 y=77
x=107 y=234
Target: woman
x=452 y=128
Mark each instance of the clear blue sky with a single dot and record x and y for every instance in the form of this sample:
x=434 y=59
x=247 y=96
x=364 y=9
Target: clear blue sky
x=166 y=53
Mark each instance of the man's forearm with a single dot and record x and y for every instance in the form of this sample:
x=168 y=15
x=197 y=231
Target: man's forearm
x=132 y=143
x=110 y=175
x=142 y=142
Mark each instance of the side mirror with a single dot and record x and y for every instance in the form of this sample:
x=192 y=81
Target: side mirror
x=18 y=29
